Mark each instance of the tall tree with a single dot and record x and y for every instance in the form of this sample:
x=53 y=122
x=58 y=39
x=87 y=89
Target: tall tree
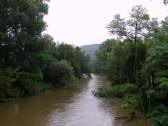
x=21 y=22
x=102 y=54
x=132 y=29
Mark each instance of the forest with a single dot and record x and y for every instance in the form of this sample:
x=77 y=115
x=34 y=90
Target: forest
x=136 y=62
x=30 y=61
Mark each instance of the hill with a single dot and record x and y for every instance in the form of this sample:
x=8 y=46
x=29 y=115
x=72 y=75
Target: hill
x=90 y=49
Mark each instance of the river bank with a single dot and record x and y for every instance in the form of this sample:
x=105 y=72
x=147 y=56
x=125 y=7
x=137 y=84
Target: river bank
x=115 y=95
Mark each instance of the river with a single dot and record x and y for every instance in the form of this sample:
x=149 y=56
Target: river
x=63 y=107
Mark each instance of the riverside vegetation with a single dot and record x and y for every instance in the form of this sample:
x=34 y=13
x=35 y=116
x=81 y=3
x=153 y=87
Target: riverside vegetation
x=31 y=62
x=136 y=63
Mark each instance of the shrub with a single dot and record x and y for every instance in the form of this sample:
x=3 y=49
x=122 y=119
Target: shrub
x=116 y=90
x=8 y=77
x=60 y=73
x=131 y=101
x=31 y=82
x=159 y=116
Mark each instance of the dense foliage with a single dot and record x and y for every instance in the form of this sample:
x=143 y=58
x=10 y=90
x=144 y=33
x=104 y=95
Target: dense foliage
x=138 y=56
x=31 y=62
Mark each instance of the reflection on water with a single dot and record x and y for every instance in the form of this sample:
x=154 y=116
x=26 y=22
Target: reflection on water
x=83 y=109
x=63 y=107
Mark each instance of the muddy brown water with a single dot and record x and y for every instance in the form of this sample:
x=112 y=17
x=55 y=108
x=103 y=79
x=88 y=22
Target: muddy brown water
x=63 y=107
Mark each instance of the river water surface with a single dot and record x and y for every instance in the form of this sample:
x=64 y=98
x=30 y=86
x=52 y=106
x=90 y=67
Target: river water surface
x=63 y=107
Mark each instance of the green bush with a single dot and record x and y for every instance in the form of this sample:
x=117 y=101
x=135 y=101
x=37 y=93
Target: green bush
x=159 y=116
x=131 y=101
x=60 y=73
x=31 y=83
x=116 y=90
x=8 y=77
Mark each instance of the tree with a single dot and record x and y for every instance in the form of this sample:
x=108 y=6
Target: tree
x=165 y=1
x=139 y=56
x=82 y=63
x=115 y=67
x=20 y=23
x=75 y=57
x=102 y=55
x=133 y=29
x=23 y=46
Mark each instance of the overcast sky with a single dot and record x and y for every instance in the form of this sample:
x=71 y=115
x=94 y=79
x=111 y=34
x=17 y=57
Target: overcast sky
x=81 y=22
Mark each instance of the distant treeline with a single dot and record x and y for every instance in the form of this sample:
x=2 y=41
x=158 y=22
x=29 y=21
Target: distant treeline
x=29 y=61
x=137 y=63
